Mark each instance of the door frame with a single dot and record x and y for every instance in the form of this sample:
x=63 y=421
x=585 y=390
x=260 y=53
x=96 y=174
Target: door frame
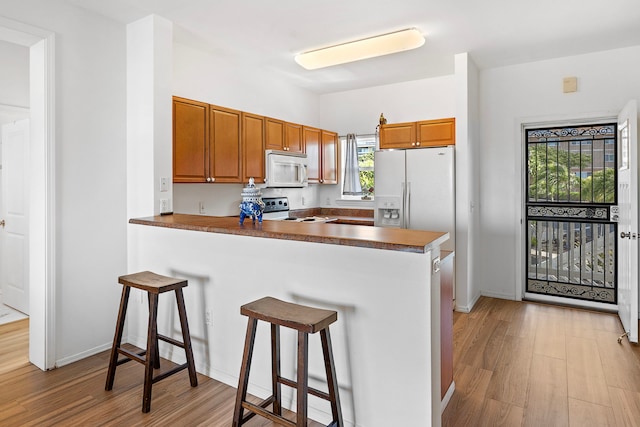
x=522 y=124
x=42 y=200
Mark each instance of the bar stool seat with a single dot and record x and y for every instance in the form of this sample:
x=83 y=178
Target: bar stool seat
x=154 y=285
x=305 y=320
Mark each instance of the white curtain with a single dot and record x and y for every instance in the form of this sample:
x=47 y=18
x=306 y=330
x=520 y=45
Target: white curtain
x=351 y=170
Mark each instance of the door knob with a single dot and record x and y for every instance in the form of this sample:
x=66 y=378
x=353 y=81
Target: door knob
x=2 y=223
x=625 y=235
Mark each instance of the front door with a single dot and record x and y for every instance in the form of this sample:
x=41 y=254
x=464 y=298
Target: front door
x=14 y=242
x=628 y=225
x=571 y=185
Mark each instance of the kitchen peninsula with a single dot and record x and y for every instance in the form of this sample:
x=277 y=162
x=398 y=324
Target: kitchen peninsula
x=381 y=281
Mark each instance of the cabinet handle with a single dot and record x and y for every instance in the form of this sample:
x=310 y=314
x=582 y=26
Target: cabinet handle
x=418 y=144
x=413 y=144
x=208 y=179
x=213 y=179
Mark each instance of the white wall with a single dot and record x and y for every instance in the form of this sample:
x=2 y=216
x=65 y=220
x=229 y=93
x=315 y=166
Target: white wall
x=533 y=93
x=90 y=163
x=14 y=74
x=212 y=78
x=358 y=111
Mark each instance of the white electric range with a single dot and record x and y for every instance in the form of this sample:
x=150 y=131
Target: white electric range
x=277 y=209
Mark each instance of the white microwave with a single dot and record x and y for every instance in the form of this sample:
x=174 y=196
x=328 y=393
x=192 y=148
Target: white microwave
x=285 y=169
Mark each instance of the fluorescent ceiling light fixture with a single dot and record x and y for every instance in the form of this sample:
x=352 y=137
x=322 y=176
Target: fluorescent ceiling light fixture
x=371 y=47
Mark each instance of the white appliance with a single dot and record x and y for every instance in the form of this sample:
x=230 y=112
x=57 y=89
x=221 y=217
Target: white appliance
x=415 y=189
x=285 y=169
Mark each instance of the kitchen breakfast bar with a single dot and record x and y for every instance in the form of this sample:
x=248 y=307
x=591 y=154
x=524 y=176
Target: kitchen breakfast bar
x=384 y=283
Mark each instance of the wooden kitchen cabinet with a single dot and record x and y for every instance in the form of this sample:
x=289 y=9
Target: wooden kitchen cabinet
x=398 y=135
x=425 y=133
x=274 y=134
x=436 y=133
x=190 y=140
x=293 y=138
x=253 y=147
x=225 y=154
x=322 y=155
x=283 y=136
x=312 y=141
x=329 y=158
x=446 y=320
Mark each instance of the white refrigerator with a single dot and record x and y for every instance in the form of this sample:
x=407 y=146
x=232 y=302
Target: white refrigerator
x=415 y=189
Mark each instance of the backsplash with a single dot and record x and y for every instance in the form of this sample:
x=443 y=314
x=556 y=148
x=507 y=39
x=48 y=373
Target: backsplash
x=224 y=199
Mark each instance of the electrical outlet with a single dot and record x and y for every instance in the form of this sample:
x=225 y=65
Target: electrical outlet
x=201 y=207
x=164 y=205
x=328 y=201
x=207 y=317
x=302 y=200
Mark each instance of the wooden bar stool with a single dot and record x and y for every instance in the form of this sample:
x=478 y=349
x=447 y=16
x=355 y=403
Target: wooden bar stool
x=154 y=285
x=306 y=320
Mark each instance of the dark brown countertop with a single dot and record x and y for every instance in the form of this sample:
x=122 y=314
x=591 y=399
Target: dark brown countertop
x=336 y=234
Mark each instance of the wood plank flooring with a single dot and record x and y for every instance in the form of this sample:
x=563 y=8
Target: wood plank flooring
x=528 y=364
x=515 y=364
x=74 y=395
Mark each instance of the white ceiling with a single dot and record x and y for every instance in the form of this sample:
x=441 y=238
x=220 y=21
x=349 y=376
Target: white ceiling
x=268 y=33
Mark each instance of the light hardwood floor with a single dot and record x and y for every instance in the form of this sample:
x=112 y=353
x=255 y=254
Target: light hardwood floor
x=74 y=395
x=528 y=364
x=515 y=364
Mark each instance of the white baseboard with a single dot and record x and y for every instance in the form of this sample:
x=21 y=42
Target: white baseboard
x=499 y=295
x=74 y=358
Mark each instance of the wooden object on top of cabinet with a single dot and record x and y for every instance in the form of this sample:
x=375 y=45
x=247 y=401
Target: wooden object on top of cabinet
x=398 y=135
x=312 y=137
x=190 y=140
x=329 y=158
x=436 y=133
x=252 y=147
x=225 y=155
x=274 y=134
x=293 y=138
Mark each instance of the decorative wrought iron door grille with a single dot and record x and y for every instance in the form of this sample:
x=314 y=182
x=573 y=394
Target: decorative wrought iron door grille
x=571 y=183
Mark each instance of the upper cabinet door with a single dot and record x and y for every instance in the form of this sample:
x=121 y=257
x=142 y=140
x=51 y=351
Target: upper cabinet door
x=329 y=158
x=190 y=140
x=252 y=147
x=225 y=156
x=433 y=133
x=311 y=137
x=274 y=134
x=398 y=135
x=293 y=138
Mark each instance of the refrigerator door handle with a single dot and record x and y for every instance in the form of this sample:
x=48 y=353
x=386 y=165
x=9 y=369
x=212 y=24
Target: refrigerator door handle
x=404 y=202
x=407 y=207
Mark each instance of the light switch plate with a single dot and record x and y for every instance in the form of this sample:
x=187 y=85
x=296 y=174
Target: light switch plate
x=570 y=84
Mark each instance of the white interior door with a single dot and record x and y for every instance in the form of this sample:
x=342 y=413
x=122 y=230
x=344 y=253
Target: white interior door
x=628 y=225
x=14 y=242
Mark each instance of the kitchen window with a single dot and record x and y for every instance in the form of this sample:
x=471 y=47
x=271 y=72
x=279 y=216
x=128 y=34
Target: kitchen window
x=365 y=148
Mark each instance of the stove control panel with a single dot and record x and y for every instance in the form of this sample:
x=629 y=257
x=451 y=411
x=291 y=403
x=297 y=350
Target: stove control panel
x=275 y=204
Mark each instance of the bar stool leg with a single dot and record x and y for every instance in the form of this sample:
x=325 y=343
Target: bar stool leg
x=303 y=357
x=156 y=354
x=186 y=338
x=113 y=360
x=332 y=381
x=152 y=339
x=243 y=382
x=275 y=369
